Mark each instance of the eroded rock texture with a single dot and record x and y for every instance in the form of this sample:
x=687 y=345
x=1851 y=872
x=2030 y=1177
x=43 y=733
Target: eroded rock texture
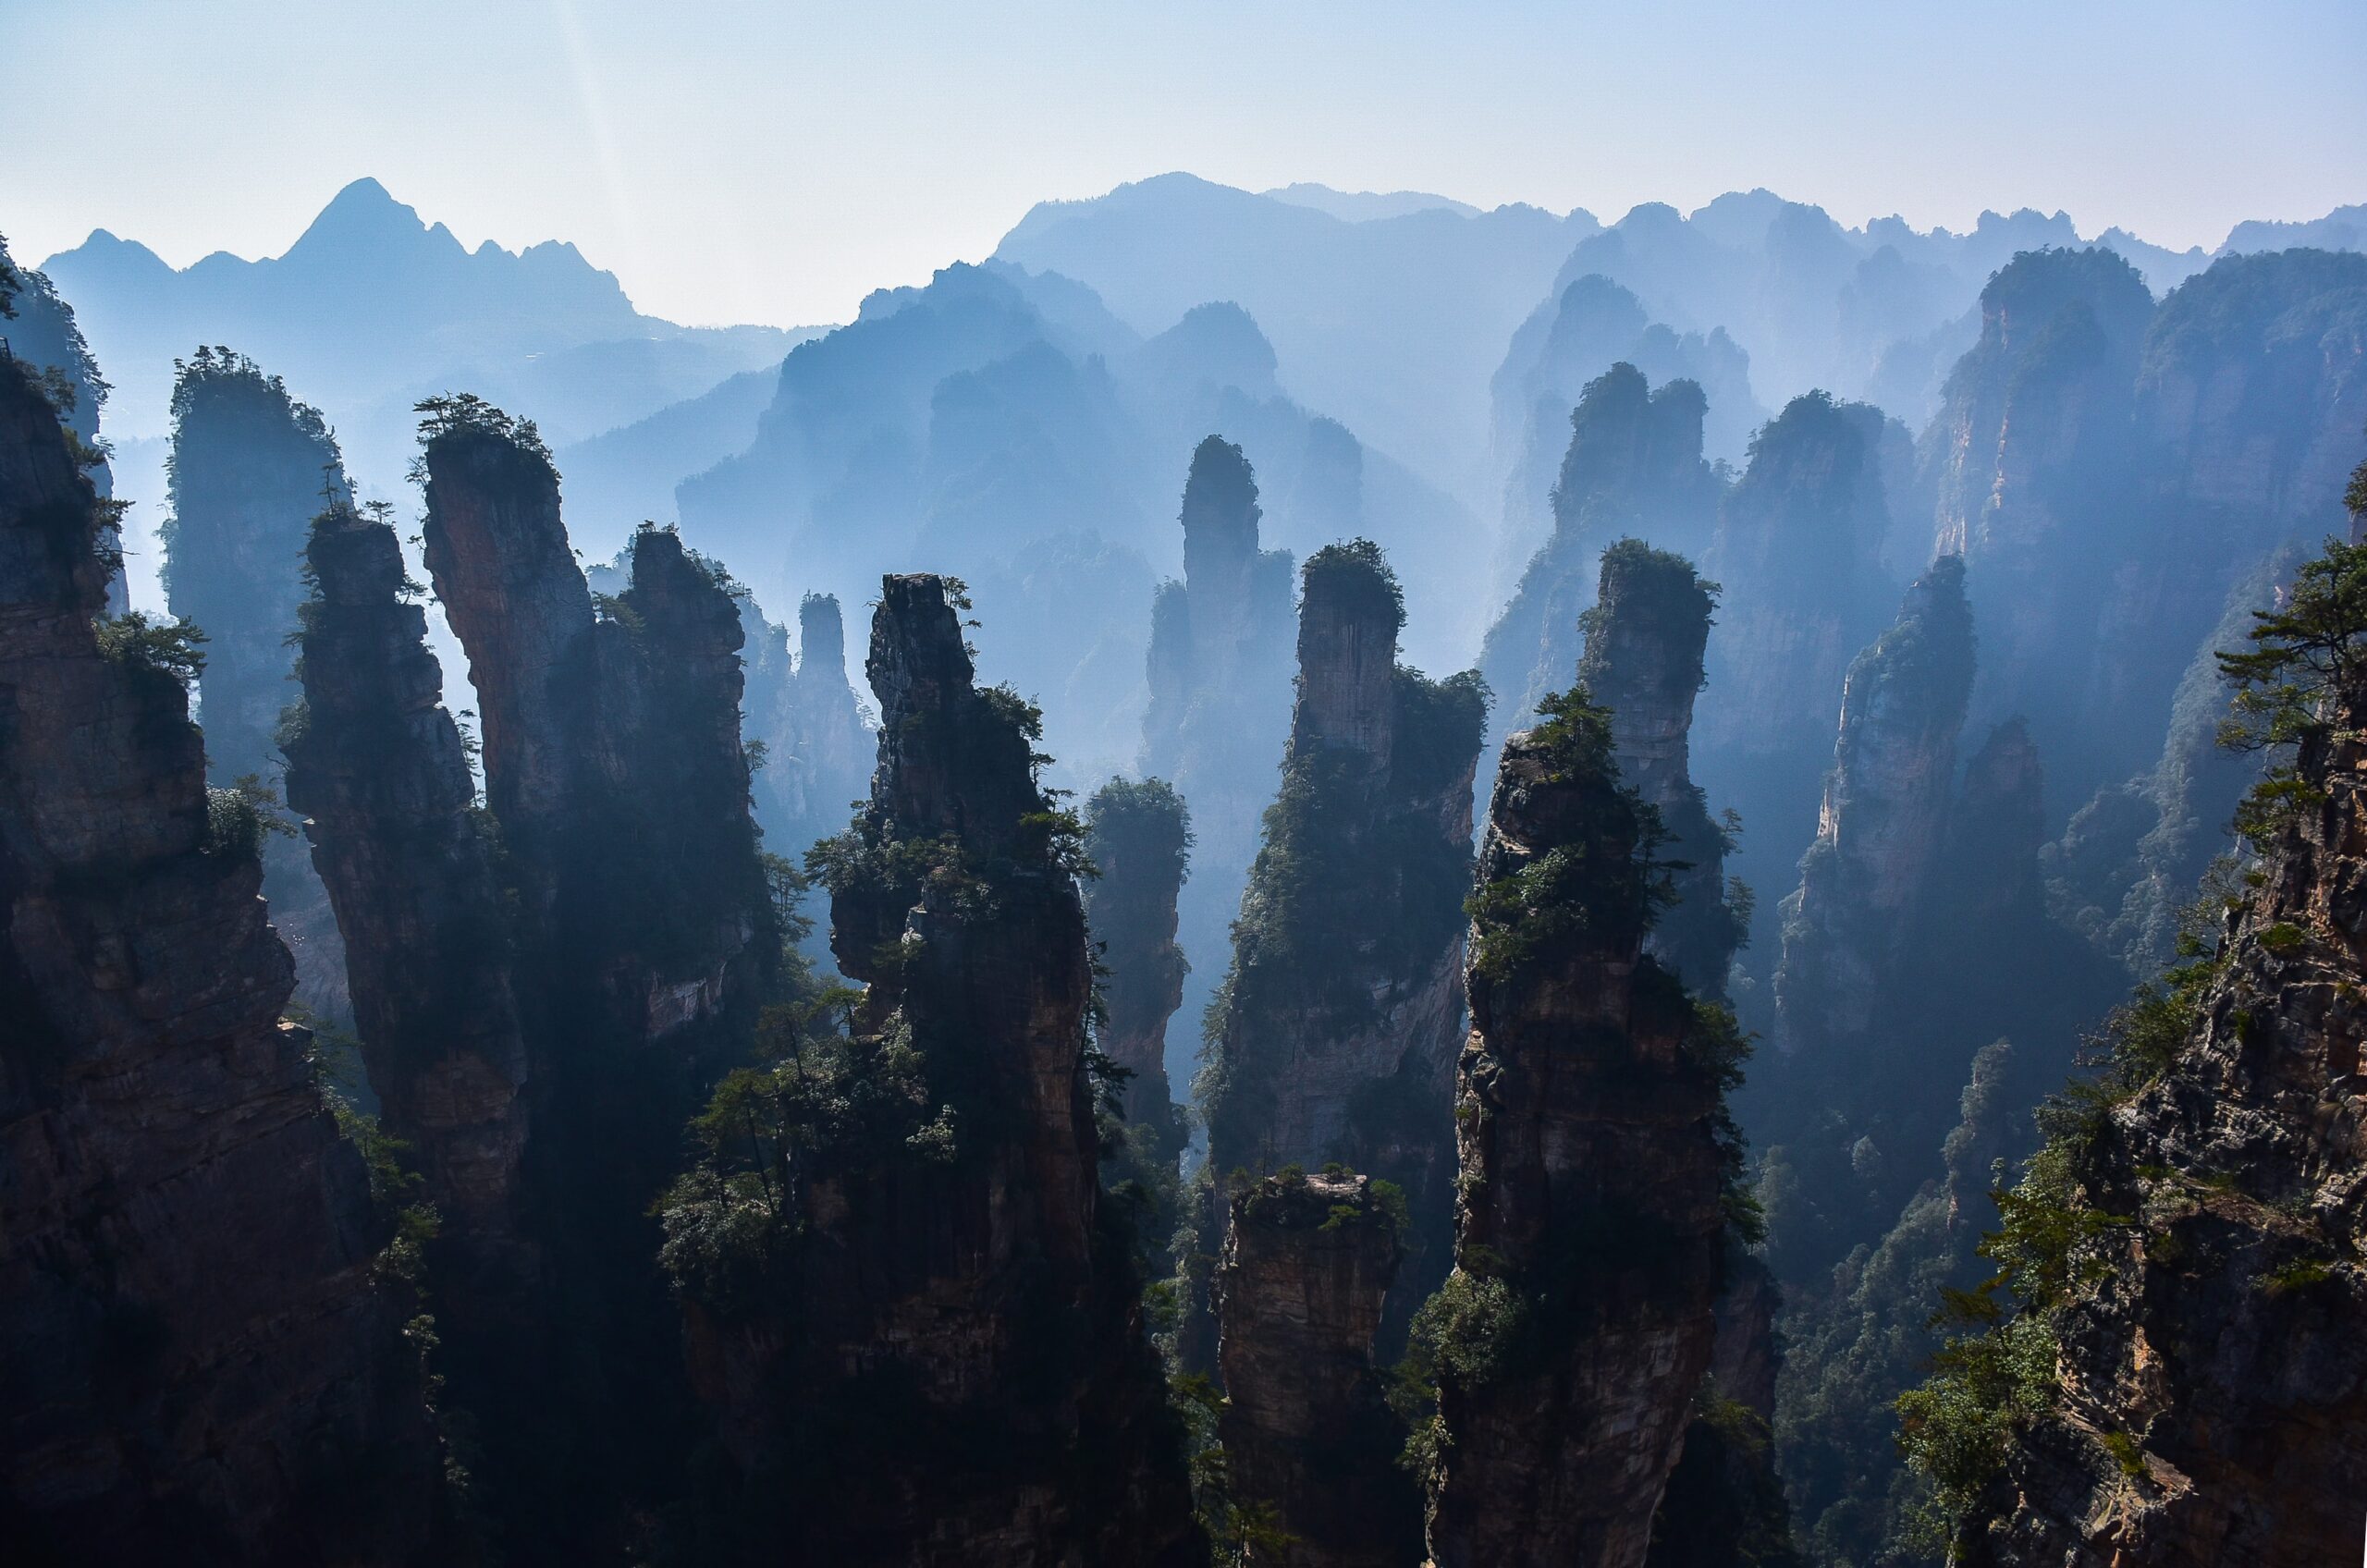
x=1797 y=541
x=1633 y=468
x=1220 y=673
x=201 y=1366
x=1308 y=1260
x=1139 y=839
x=2109 y=469
x=1591 y=1224
x=643 y=940
x=2213 y=1395
x=942 y=1361
x=43 y=333
x=377 y=768
x=820 y=748
x=250 y=468
x=1337 y=1024
x=1883 y=819
x=1644 y=643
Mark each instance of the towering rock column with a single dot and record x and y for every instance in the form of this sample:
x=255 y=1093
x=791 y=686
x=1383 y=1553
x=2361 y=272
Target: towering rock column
x=1591 y=1225
x=200 y=1361
x=1139 y=839
x=1885 y=805
x=1341 y=1010
x=1644 y=643
x=377 y=767
x=1633 y=468
x=1306 y=1431
x=518 y=602
x=613 y=755
x=250 y=468
x=1219 y=675
x=941 y=1360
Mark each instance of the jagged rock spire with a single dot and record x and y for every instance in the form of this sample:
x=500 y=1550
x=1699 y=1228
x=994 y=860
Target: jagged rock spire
x=377 y=768
x=1591 y=1225
x=1307 y=1262
x=1645 y=639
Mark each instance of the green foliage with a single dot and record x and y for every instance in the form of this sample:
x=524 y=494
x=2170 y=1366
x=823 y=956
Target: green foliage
x=171 y=648
x=237 y=818
x=1239 y=1530
x=1603 y=883
x=2303 y=1274
x=824 y=1106
x=465 y=414
x=1356 y=577
x=2302 y=653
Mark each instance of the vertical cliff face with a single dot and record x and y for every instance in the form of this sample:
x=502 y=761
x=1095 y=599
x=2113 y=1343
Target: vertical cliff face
x=1644 y=644
x=1590 y=1223
x=1633 y=468
x=2128 y=859
x=644 y=941
x=1332 y=1036
x=613 y=755
x=1219 y=679
x=1880 y=828
x=2178 y=1378
x=1308 y=1260
x=250 y=466
x=202 y=1363
x=803 y=709
x=2034 y=457
x=43 y=333
x=934 y=1354
x=518 y=602
x=377 y=767
x=1139 y=839
x=1796 y=545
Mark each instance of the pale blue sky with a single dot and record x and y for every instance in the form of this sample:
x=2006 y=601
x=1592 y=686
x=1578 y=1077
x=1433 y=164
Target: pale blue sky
x=749 y=161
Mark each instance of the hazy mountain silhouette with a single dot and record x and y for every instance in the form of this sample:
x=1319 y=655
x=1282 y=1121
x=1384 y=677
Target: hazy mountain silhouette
x=372 y=307
x=1388 y=312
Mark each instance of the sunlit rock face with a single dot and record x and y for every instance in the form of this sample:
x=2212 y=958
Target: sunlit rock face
x=1335 y=1034
x=1590 y=1235
x=1308 y=1260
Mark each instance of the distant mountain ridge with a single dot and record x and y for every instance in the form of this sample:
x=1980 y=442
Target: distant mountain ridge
x=372 y=307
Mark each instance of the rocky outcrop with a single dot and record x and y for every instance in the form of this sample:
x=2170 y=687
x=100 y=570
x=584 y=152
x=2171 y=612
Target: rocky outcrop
x=1592 y=324
x=1884 y=818
x=377 y=768
x=1220 y=676
x=1139 y=835
x=612 y=749
x=250 y=468
x=1644 y=643
x=2128 y=860
x=2110 y=470
x=938 y=1357
x=818 y=744
x=1333 y=1035
x=1633 y=468
x=2206 y=1392
x=202 y=1365
x=644 y=941
x=517 y=601
x=1592 y=1221
x=1307 y=1432
x=1797 y=547
x=41 y=332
